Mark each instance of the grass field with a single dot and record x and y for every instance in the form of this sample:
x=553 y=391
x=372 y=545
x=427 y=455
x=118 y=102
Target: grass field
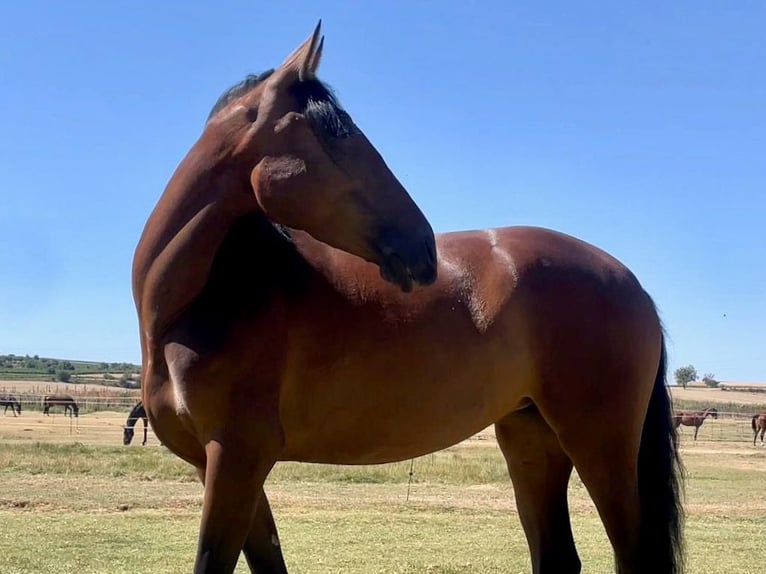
x=82 y=502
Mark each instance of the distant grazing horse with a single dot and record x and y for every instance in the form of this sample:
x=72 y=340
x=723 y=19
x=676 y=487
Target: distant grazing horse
x=292 y=307
x=12 y=402
x=759 y=425
x=138 y=412
x=694 y=419
x=61 y=400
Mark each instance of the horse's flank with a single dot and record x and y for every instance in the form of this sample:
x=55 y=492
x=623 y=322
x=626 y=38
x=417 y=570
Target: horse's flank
x=345 y=325
x=403 y=346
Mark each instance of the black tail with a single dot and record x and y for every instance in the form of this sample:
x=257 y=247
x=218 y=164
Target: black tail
x=660 y=484
x=755 y=428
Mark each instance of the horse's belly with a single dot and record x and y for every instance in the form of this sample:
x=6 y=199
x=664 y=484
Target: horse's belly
x=386 y=415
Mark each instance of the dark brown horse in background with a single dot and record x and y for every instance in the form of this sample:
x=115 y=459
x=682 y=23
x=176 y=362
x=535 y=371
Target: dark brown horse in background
x=291 y=307
x=137 y=412
x=12 y=402
x=694 y=419
x=61 y=400
x=759 y=425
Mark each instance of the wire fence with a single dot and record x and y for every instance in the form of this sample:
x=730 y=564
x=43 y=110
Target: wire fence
x=108 y=412
x=88 y=401
x=730 y=426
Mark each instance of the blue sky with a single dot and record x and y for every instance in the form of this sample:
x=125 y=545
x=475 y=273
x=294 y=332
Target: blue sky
x=639 y=127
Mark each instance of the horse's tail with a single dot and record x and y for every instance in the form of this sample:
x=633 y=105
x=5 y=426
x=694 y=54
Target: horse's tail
x=752 y=423
x=660 y=483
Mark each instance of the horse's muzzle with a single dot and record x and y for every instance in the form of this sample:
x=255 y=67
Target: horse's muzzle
x=406 y=263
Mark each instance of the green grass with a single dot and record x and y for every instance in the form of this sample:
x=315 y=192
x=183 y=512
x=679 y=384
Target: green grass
x=81 y=460
x=80 y=508
x=724 y=407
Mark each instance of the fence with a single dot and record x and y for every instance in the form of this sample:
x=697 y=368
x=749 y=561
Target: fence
x=730 y=426
x=88 y=400
x=101 y=412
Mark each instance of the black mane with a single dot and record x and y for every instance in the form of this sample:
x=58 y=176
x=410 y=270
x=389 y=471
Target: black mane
x=315 y=99
x=238 y=90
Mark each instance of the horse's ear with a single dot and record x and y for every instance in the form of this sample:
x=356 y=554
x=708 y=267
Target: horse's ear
x=301 y=65
x=304 y=61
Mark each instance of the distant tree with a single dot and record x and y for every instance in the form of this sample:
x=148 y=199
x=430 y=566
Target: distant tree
x=685 y=375
x=104 y=366
x=64 y=376
x=36 y=357
x=710 y=380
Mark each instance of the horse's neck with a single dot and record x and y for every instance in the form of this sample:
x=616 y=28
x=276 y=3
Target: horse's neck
x=179 y=243
x=136 y=413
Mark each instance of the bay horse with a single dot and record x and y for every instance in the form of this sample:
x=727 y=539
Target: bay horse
x=61 y=400
x=137 y=412
x=694 y=419
x=759 y=425
x=12 y=402
x=292 y=307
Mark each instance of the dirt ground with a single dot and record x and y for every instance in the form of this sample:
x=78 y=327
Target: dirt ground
x=718 y=395
x=10 y=386
x=101 y=428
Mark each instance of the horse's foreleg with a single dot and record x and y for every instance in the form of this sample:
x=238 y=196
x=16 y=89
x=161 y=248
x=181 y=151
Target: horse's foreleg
x=696 y=430
x=262 y=549
x=540 y=472
x=146 y=424
x=234 y=477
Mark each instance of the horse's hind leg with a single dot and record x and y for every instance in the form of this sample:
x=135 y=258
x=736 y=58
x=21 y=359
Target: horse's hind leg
x=262 y=548
x=696 y=430
x=540 y=472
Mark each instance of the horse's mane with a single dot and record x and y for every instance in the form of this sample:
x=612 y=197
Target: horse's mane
x=238 y=90
x=315 y=98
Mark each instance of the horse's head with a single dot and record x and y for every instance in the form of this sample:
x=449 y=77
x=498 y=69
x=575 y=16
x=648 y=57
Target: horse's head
x=713 y=412
x=127 y=435
x=311 y=168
